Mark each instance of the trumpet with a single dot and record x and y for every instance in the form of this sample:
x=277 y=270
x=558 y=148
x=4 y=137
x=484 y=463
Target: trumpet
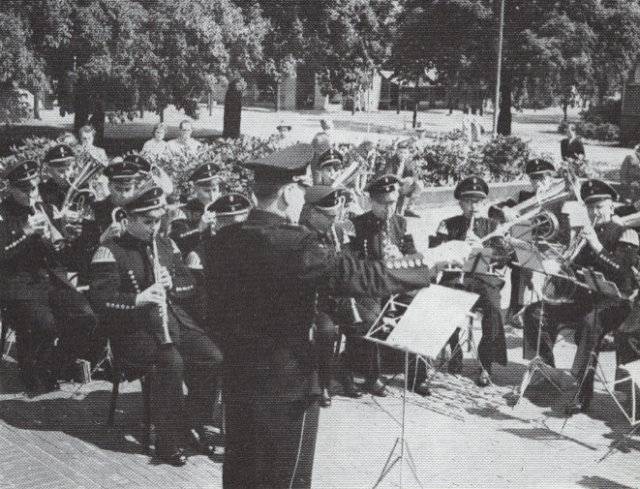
x=163 y=310
x=39 y=219
x=578 y=244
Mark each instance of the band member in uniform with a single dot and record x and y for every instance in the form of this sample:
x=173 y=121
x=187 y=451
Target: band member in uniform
x=150 y=305
x=323 y=204
x=604 y=246
x=190 y=222
x=472 y=194
x=380 y=234
x=326 y=169
x=40 y=303
x=540 y=173
x=59 y=161
x=262 y=278
x=227 y=209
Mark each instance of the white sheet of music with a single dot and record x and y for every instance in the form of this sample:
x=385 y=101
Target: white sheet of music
x=431 y=318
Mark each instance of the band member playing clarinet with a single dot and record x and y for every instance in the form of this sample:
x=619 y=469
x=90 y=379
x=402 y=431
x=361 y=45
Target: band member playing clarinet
x=471 y=226
x=193 y=221
x=150 y=305
x=40 y=303
x=607 y=247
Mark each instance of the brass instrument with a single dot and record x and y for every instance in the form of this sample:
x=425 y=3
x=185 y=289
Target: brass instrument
x=80 y=194
x=163 y=310
x=39 y=219
x=631 y=220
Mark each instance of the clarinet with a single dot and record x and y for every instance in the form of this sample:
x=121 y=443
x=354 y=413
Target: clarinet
x=163 y=311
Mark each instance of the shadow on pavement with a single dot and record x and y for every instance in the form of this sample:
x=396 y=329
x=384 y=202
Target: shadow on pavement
x=595 y=482
x=81 y=417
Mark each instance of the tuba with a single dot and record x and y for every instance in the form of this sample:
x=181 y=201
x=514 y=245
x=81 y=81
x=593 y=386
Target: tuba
x=80 y=194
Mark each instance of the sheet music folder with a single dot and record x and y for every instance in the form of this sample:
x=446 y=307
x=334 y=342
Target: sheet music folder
x=433 y=315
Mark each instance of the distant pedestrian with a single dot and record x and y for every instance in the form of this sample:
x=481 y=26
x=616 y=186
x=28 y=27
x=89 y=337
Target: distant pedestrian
x=571 y=146
x=156 y=146
x=630 y=175
x=184 y=143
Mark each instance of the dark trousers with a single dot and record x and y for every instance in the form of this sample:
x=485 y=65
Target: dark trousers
x=52 y=312
x=520 y=279
x=269 y=444
x=361 y=355
x=325 y=335
x=194 y=360
x=591 y=322
x=493 y=345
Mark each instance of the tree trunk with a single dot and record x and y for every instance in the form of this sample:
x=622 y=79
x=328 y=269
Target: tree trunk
x=36 y=106
x=504 y=117
x=565 y=106
x=399 y=98
x=277 y=96
x=81 y=107
x=97 y=121
x=232 y=111
x=161 y=114
x=416 y=102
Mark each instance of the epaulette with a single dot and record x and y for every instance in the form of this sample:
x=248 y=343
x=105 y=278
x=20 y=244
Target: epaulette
x=630 y=236
x=103 y=255
x=179 y=216
x=193 y=261
x=443 y=229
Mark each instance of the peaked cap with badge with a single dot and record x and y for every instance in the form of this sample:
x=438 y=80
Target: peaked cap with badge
x=59 y=155
x=471 y=187
x=147 y=199
x=594 y=190
x=539 y=166
x=230 y=205
x=140 y=161
x=21 y=171
x=383 y=184
x=331 y=157
x=204 y=173
x=123 y=170
x=284 y=166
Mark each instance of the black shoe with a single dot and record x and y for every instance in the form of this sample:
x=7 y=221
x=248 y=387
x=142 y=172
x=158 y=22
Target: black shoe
x=423 y=388
x=574 y=407
x=205 y=442
x=349 y=387
x=376 y=388
x=325 y=400
x=177 y=458
x=455 y=363
x=484 y=379
x=410 y=213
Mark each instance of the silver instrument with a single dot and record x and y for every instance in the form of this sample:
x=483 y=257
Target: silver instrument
x=164 y=312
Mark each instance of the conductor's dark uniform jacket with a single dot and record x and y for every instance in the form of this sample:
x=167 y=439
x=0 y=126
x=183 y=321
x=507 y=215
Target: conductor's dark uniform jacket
x=263 y=277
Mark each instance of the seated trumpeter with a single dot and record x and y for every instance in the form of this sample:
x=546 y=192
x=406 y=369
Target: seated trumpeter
x=380 y=234
x=471 y=226
x=40 y=303
x=605 y=246
x=540 y=172
x=193 y=220
x=150 y=304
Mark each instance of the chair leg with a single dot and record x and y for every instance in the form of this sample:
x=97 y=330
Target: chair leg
x=114 y=399
x=145 y=383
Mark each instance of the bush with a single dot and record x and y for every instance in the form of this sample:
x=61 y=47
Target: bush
x=604 y=131
x=607 y=112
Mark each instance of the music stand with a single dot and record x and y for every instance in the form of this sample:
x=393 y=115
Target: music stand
x=422 y=329
x=596 y=282
x=530 y=257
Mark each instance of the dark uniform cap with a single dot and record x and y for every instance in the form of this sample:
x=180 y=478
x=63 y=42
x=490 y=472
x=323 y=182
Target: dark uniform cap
x=324 y=196
x=538 y=166
x=383 y=184
x=230 y=205
x=282 y=166
x=138 y=160
x=471 y=187
x=59 y=155
x=204 y=172
x=329 y=157
x=593 y=190
x=146 y=199
x=21 y=171
x=122 y=170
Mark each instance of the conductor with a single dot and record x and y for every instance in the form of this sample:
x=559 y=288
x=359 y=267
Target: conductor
x=263 y=276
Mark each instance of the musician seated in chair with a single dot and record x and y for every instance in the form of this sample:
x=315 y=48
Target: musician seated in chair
x=380 y=234
x=322 y=209
x=190 y=223
x=472 y=194
x=149 y=302
x=40 y=302
x=540 y=173
x=604 y=246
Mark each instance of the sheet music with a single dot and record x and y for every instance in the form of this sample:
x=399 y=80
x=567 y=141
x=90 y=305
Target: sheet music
x=430 y=319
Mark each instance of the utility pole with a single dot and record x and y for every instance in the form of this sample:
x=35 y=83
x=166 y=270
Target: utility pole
x=496 y=100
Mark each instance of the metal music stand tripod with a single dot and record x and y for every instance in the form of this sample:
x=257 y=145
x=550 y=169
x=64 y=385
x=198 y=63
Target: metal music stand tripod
x=408 y=333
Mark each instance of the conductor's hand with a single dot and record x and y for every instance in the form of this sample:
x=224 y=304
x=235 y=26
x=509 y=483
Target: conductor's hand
x=207 y=220
x=449 y=253
x=153 y=295
x=165 y=278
